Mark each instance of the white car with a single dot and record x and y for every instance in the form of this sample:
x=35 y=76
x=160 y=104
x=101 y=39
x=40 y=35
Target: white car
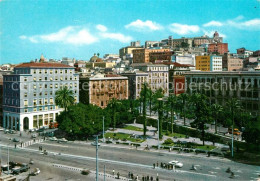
x=63 y=140
x=53 y=139
x=95 y=144
x=176 y=163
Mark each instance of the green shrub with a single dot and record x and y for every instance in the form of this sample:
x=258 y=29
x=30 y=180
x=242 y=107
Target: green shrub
x=168 y=141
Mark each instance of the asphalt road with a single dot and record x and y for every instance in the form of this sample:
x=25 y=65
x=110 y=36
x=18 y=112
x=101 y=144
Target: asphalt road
x=123 y=160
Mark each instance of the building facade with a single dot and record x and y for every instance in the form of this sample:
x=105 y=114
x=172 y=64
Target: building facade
x=136 y=79
x=221 y=86
x=209 y=63
x=231 y=63
x=150 y=55
x=29 y=94
x=158 y=75
x=100 y=89
x=220 y=48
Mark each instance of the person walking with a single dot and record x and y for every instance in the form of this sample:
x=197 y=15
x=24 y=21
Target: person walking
x=118 y=175
x=157 y=164
x=154 y=166
x=113 y=172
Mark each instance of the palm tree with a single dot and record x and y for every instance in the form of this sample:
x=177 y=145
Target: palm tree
x=216 y=110
x=184 y=98
x=172 y=103
x=144 y=94
x=234 y=106
x=64 y=98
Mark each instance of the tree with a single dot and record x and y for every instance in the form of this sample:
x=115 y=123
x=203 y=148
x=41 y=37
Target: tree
x=113 y=105
x=216 y=110
x=64 y=98
x=172 y=103
x=184 y=98
x=144 y=94
x=82 y=121
x=201 y=112
x=184 y=45
x=150 y=99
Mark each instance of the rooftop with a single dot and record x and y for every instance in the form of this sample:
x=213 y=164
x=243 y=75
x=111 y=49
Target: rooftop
x=42 y=65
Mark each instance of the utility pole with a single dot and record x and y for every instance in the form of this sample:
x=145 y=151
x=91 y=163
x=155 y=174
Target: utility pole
x=104 y=172
x=96 y=157
x=8 y=161
x=232 y=146
x=103 y=129
x=158 y=131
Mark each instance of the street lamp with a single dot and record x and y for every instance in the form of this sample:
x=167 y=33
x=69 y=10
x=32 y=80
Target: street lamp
x=159 y=119
x=103 y=129
x=96 y=156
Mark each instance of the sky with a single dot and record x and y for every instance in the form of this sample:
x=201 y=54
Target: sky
x=78 y=29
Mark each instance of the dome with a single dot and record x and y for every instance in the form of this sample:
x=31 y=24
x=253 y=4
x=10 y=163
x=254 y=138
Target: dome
x=99 y=60
x=93 y=58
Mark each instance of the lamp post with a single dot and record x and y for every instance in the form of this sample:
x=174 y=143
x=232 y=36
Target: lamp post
x=158 y=134
x=103 y=129
x=96 y=157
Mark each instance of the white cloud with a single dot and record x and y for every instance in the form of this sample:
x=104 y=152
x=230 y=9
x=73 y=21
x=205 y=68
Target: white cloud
x=101 y=28
x=147 y=25
x=213 y=23
x=68 y=35
x=117 y=36
x=253 y=24
x=183 y=29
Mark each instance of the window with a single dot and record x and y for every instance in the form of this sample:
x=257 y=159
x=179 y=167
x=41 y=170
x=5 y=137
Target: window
x=75 y=98
x=45 y=101
x=25 y=79
x=40 y=94
x=75 y=78
x=25 y=102
x=56 y=85
x=56 y=77
x=66 y=78
x=46 y=71
x=70 y=71
x=75 y=85
x=51 y=71
x=50 y=78
x=40 y=79
x=46 y=86
x=51 y=93
x=56 y=71
x=25 y=86
x=66 y=71
x=34 y=71
x=34 y=86
x=61 y=78
x=40 y=101
x=70 y=78
x=40 y=71
x=51 y=108
x=56 y=107
x=61 y=72
x=25 y=94
x=51 y=100
x=46 y=78
x=34 y=79
x=40 y=86
x=34 y=94
x=46 y=93
x=71 y=85
x=35 y=102
x=25 y=110
x=51 y=85
x=46 y=108
x=34 y=109
x=40 y=108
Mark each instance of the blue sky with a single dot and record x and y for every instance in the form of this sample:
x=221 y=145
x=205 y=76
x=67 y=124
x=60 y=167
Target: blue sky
x=67 y=28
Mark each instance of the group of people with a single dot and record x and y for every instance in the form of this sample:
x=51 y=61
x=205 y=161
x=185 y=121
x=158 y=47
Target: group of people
x=164 y=166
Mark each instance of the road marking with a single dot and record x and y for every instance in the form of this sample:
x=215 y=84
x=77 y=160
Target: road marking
x=54 y=145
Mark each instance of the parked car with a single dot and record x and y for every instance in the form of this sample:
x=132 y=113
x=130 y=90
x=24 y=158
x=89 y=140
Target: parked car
x=235 y=132
x=53 y=139
x=62 y=140
x=34 y=135
x=12 y=131
x=16 y=140
x=95 y=144
x=176 y=163
x=35 y=172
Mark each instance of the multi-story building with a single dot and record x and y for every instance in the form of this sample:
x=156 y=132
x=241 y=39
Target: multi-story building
x=151 y=55
x=127 y=51
x=220 y=48
x=136 y=79
x=157 y=75
x=150 y=44
x=29 y=94
x=100 y=89
x=209 y=63
x=244 y=52
x=221 y=86
x=231 y=63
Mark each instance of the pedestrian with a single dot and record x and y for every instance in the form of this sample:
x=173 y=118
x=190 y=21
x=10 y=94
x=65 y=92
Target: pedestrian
x=113 y=172
x=136 y=177
x=154 y=166
x=174 y=168
x=148 y=178
x=157 y=164
x=20 y=134
x=136 y=146
x=143 y=178
x=15 y=145
x=129 y=175
x=39 y=148
x=151 y=178
x=132 y=175
x=118 y=175
x=161 y=165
